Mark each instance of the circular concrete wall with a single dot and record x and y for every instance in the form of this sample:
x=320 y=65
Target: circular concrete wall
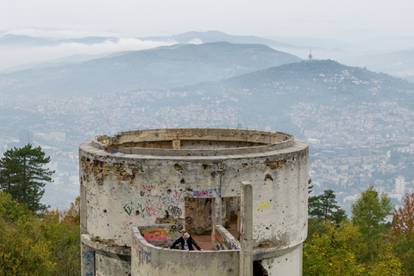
x=142 y=178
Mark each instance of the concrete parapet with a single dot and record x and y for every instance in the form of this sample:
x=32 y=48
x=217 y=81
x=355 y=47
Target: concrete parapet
x=150 y=260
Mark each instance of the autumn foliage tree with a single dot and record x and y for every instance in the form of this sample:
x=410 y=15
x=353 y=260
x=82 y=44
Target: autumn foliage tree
x=403 y=219
x=359 y=246
x=403 y=233
x=42 y=244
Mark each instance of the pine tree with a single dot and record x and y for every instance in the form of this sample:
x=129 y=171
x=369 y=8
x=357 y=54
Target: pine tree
x=325 y=207
x=24 y=176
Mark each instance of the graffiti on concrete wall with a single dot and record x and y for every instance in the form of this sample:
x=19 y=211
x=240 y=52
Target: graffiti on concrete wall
x=136 y=208
x=156 y=234
x=88 y=262
x=148 y=187
x=171 y=198
x=233 y=244
x=144 y=255
x=225 y=240
x=88 y=257
x=205 y=193
x=160 y=206
x=263 y=205
x=175 y=211
x=144 y=209
x=176 y=228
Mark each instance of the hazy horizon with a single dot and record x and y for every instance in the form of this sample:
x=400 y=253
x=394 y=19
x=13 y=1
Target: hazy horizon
x=350 y=20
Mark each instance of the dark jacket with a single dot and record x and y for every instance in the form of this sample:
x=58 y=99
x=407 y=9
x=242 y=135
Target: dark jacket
x=190 y=243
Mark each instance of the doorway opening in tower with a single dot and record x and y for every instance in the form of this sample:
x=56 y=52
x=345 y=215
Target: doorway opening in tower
x=231 y=215
x=200 y=216
x=198 y=220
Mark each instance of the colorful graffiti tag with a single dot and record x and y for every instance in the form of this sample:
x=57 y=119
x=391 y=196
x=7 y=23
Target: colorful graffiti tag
x=148 y=208
x=207 y=193
x=263 y=205
x=156 y=234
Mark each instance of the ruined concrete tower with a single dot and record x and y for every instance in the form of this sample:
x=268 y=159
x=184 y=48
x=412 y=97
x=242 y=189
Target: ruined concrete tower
x=140 y=188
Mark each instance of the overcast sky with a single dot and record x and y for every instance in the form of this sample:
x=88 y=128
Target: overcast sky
x=319 y=18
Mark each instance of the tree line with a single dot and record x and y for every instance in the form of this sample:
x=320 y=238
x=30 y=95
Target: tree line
x=34 y=240
x=376 y=239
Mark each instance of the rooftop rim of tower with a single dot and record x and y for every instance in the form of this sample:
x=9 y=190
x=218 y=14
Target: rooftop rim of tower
x=193 y=142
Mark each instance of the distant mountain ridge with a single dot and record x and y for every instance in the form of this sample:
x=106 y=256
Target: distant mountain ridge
x=272 y=92
x=316 y=74
x=217 y=36
x=162 y=67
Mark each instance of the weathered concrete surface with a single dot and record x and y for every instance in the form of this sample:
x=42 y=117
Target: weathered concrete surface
x=286 y=264
x=104 y=258
x=149 y=185
x=87 y=260
x=223 y=239
x=149 y=260
x=111 y=265
x=246 y=238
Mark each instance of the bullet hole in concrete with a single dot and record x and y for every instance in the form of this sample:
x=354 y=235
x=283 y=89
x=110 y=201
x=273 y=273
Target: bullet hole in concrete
x=267 y=228
x=245 y=164
x=213 y=174
x=169 y=191
x=205 y=166
x=178 y=168
x=276 y=164
x=142 y=193
x=270 y=200
x=137 y=213
x=189 y=189
x=104 y=210
x=182 y=181
x=268 y=177
x=107 y=224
